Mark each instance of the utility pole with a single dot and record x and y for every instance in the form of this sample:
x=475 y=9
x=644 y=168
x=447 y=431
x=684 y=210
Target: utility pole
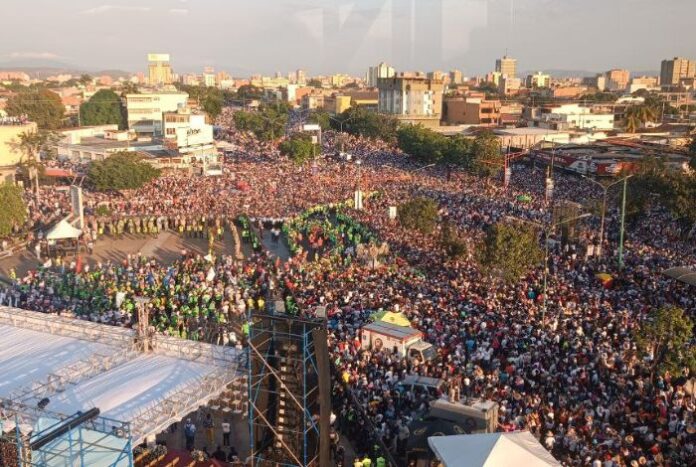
x=623 y=221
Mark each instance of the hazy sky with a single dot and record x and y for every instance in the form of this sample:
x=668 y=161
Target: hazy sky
x=322 y=36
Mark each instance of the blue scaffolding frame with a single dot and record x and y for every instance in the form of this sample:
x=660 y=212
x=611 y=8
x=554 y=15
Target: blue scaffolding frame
x=101 y=438
x=293 y=447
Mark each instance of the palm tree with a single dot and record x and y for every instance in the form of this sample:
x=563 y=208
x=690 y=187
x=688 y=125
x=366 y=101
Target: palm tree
x=631 y=122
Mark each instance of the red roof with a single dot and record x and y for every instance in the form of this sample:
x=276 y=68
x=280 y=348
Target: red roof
x=58 y=173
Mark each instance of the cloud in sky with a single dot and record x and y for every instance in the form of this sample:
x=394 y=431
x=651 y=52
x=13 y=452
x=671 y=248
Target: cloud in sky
x=101 y=9
x=178 y=11
x=43 y=55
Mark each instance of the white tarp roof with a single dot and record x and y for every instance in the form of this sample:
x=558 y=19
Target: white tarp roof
x=99 y=368
x=491 y=450
x=62 y=230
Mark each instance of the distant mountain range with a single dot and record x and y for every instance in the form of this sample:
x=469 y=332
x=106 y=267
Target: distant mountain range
x=41 y=68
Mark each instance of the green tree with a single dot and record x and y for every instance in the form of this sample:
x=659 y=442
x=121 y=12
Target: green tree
x=299 y=148
x=267 y=123
x=458 y=151
x=666 y=339
x=360 y=121
x=487 y=158
x=103 y=108
x=320 y=118
x=121 y=171
x=85 y=79
x=212 y=103
x=129 y=87
x=638 y=115
x=452 y=242
x=599 y=97
x=419 y=214
x=40 y=105
x=422 y=143
x=508 y=251
x=249 y=91
x=13 y=211
x=314 y=83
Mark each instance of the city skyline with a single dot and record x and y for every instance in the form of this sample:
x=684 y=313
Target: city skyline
x=326 y=37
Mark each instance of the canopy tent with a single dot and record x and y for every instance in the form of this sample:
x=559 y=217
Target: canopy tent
x=682 y=274
x=63 y=230
x=392 y=317
x=491 y=450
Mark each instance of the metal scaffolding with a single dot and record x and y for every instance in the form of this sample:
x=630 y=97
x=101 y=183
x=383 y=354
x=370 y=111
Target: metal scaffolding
x=285 y=409
x=23 y=416
x=101 y=440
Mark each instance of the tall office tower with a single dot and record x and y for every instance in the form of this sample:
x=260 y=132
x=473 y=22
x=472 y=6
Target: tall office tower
x=506 y=66
x=159 y=70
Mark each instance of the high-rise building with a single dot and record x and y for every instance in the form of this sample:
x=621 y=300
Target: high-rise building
x=411 y=99
x=159 y=70
x=380 y=71
x=672 y=71
x=456 y=77
x=145 y=110
x=538 y=80
x=617 y=80
x=506 y=66
x=300 y=77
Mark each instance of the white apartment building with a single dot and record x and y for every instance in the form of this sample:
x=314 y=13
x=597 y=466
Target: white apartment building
x=185 y=131
x=380 y=71
x=145 y=110
x=572 y=116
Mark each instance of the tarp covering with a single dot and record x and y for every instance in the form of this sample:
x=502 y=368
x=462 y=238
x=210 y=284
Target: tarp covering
x=394 y=318
x=63 y=230
x=491 y=450
x=682 y=274
x=80 y=447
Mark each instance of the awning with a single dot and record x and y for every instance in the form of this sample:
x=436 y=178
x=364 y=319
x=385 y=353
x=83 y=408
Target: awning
x=63 y=230
x=491 y=450
x=682 y=274
x=57 y=173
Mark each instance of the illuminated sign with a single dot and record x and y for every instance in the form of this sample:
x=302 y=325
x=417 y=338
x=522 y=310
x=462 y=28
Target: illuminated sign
x=157 y=57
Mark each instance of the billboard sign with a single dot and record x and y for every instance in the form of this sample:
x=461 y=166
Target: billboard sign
x=157 y=57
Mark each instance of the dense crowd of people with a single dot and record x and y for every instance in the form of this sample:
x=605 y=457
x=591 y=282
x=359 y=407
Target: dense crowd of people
x=564 y=366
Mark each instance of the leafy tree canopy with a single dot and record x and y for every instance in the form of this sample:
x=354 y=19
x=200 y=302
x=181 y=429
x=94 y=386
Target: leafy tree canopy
x=299 y=148
x=428 y=146
x=249 y=91
x=104 y=107
x=121 y=171
x=320 y=118
x=487 y=158
x=665 y=338
x=13 y=211
x=267 y=123
x=419 y=214
x=314 y=83
x=360 y=121
x=40 y=105
x=509 y=251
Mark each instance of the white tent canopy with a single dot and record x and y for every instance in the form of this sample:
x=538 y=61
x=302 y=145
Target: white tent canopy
x=491 y=450
x=63 y=230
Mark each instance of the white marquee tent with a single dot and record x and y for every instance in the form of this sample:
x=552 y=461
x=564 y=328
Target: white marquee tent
x=491 y=450
x=78 y=365
x=63 y=230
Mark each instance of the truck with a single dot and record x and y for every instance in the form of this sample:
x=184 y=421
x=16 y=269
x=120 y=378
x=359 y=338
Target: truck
x=407 y=341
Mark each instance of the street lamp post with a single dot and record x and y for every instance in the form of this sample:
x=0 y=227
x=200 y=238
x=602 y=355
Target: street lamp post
x=547 y=228
x=605 y=190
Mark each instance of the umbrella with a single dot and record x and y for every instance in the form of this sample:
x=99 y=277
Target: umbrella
x=606 y=279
